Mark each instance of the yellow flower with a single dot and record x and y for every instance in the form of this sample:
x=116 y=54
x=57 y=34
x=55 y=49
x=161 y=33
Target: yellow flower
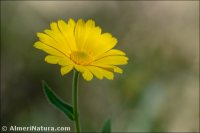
x=82 y=46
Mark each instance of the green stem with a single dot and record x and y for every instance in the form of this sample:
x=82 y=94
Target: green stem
x=75 y=99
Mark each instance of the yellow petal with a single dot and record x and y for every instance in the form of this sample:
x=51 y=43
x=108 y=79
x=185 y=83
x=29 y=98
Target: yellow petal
x=93 y=38
x=63 y=61
x=66 y=69
x=46 y=39
x=112 y=60
x=68 y=32
x=60 y=37
x=51 y=39
x=49 y=49
x=109 y=75
x=80 y=34
x=90 y=24
x=105 y=43
x=96 y=71
x=88 y=31
x=112 y=52
x=71 y=23
x=87 y=35
x=52 y=59
x=101 y=72
x=118 y=70
x=79 y=68
x=60 y=41
x=111 y=68
x=87 y=75
x=54 y=27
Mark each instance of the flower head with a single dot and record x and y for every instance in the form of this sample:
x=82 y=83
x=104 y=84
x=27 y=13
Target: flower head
x=82 y=46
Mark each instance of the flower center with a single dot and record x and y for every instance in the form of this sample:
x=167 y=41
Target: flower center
x=81 y=58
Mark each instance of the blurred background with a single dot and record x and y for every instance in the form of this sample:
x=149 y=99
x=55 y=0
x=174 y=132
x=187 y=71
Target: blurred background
x=158 y=91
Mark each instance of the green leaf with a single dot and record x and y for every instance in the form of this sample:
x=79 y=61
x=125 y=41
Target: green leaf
x=57 y=102
x=107 y=126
